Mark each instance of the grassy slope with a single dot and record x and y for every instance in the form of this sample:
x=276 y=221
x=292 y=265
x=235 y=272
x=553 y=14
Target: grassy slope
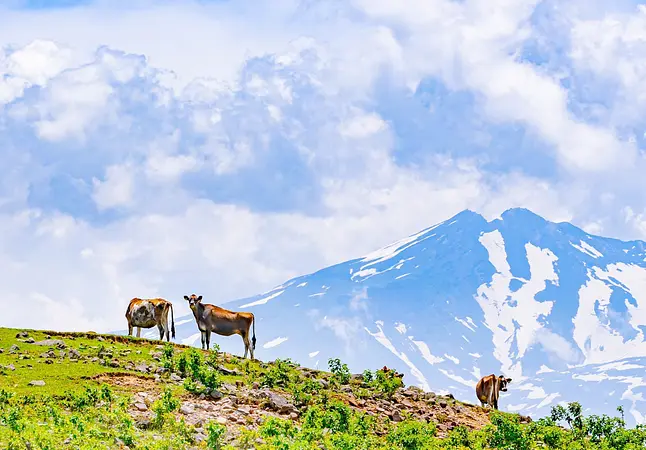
x=104 y=391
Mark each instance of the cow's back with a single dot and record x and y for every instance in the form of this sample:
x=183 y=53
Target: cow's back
x=143 y=314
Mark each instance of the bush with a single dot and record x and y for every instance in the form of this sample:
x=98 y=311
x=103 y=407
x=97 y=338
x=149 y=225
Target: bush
x=339 y=371
x=411 y=435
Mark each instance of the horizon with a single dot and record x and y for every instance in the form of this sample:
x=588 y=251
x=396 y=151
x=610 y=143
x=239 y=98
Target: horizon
x=153 y=147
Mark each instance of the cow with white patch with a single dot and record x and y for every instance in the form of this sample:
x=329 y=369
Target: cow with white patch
x=488 y=389
x=213 y=319
x=150 y=312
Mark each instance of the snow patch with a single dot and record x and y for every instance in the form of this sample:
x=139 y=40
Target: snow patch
x=263 y=300
x=426 y=352
x=274 y=342
x=380 y=336
x=593 y=334
x=465 y=323
x=192 y=339
x=514 y=318
x=400 y=327
x=587 y=249
x=544 y=369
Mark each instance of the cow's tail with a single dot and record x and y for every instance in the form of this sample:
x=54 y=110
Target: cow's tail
x=172 y=321
x=253 y=324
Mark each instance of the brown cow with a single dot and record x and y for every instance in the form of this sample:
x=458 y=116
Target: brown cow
x=488 y=389
x=148 y=312
x=213 y=319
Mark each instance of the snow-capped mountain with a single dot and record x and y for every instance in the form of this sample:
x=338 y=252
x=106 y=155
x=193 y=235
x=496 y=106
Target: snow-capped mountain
x=561 y=312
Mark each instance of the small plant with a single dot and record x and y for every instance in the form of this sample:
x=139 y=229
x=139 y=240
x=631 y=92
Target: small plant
x=277 y=375
x=367 y=376
x=339 y=370
x=411 y=435
x=167 y=356
x=215 y=433
x=387 y=382
x=164 y=406
x=5 y=396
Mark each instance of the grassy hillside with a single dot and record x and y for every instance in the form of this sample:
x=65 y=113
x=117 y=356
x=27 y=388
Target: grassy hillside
x=90 y=391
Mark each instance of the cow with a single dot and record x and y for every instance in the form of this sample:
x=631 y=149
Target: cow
x=148 y=312
x=213 y=319
x=489 y=387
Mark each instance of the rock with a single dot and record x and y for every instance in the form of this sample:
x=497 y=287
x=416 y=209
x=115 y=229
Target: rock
x=324 y=383
x=443 y=403
x=175 y=377
x=226 y=371
x=143 y=423
x=277 y=402
x=113 y=363
x=396 y=415
x=48 y=354
x=221 y=420
x=9 y=367
x=37 y=383
x=29 y=340
x=141 y=406
x=22 y=334
x=51 y=343
x=49 y=361
x=216 y=394
x=74 y=354
x=186 y=409
x=142 y=368
x=14 y=348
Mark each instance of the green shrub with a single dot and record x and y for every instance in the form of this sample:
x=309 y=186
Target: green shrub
x=339 y=370
x=411 y=435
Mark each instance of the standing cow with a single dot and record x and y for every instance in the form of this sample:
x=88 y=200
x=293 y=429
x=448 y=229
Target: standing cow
x=213 y=319
x=488 y=389
x=150 y=312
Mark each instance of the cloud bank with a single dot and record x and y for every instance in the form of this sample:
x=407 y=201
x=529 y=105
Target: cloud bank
x=151 y=148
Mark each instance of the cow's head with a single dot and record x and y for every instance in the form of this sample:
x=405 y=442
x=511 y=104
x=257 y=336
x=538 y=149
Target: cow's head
x=193 y=300
x=503 y=383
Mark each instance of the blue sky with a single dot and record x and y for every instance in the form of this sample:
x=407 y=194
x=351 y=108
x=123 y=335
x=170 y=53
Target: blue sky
x=162 y=148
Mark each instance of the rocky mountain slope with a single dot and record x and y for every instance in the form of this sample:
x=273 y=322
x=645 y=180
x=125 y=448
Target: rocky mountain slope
x=559 y=310
x=170 y=394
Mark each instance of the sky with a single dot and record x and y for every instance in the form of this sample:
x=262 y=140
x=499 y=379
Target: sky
x=158 y=148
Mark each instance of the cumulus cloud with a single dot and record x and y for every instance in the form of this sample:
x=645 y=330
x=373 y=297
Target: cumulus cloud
x=230 y=147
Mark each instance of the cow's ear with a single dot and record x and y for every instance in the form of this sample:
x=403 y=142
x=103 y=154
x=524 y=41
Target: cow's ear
x=508 y=380
x=186 y=297
x=199 y=299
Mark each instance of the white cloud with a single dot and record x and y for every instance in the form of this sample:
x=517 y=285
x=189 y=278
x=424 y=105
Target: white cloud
x=230 y=147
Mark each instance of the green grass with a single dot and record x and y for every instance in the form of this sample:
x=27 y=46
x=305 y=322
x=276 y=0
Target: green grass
x=64 y=375
x=82 y=407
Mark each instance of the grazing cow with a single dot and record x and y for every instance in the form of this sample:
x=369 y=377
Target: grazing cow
x=148 y=312
x=488 y=389
x=213 y=319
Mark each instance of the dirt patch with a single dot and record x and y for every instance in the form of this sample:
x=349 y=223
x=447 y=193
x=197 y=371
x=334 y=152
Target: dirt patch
x=129 y=381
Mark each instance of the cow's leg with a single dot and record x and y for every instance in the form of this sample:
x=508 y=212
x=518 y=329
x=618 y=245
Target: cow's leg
x=138 y=331
x=482 y=403
x=495 y=403
x=208 y=339
x=247 y=344
x=203 y=338
x=129 y=329
x=160 y=327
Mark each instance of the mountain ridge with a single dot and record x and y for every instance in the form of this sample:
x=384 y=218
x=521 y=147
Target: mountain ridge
x=545 y=303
